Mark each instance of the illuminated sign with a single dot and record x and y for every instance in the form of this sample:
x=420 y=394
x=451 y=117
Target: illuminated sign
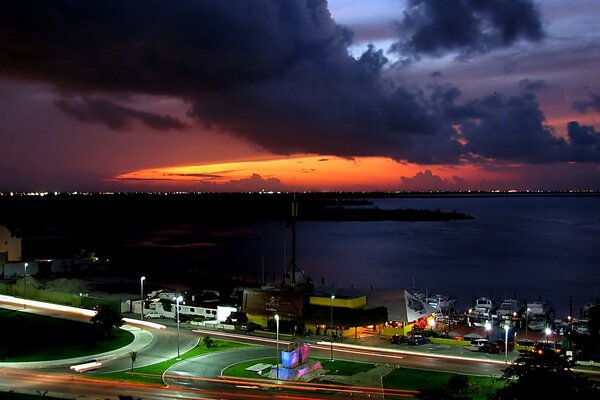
x=266 y=302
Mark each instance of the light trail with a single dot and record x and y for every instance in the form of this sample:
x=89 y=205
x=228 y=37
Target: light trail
x=341 y=346
x=72 y=310
x=324 y=385
x=244 y=337
x=257 y=383
x=353 y=349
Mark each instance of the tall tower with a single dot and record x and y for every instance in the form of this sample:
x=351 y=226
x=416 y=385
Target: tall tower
x=290 y=274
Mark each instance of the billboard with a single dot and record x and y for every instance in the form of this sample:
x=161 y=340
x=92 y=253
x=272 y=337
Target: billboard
x=273 y=302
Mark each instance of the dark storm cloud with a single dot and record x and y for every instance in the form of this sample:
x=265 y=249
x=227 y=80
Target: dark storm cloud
x=513 y=128
x=277 y=73
x=510 y=128
x=113 y=115
x=584 y=105
x=529 y=85
x=585 y=141
x=433 y=27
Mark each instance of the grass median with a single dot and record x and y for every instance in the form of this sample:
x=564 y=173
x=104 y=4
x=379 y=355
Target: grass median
x=40 y=338
x=341 y=367
x=152 y=374
x=400 y=378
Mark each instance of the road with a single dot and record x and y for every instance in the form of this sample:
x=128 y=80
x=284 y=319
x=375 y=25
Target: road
x=200 y=377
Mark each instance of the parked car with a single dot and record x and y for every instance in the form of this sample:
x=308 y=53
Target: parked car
x=416 y=340
x=541 y=347
x=397 y=339
x=511 y=344
x=250 y=326
x=492 y=347
x=153 y=314
x=477 y=344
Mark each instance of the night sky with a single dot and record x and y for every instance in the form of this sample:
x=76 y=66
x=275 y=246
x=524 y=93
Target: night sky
x=299 y=95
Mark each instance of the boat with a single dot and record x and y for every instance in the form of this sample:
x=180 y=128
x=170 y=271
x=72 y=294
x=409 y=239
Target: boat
x=441 y=303
x=508 y=309
x=537 y=313
x=482 y=311
x=483 y=307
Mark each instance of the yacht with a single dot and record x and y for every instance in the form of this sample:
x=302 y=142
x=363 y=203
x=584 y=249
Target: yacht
x=482 y=311
x=441 y=303
x=483 y=307
x=537 y=313
x=508 y=309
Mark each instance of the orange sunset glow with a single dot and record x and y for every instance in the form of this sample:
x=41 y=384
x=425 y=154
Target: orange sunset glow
x=307 y=172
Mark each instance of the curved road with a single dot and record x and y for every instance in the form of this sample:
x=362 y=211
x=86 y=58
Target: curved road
x=200 y=377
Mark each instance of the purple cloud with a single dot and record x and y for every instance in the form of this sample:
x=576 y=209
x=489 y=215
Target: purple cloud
x=113 y=115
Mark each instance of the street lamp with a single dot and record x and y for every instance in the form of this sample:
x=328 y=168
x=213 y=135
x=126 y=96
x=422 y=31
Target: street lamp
x=277 y=347
x=25 y=285
x=488 y=328
x=547 y=331
x=527 y=322
x=142 y=279
x=331 y=327
x=177 y=300
x=506 y=329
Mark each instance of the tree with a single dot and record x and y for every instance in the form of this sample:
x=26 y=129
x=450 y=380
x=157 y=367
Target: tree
x=133 y=356
x=544 y=375
x=107 y=318
x=207 y=342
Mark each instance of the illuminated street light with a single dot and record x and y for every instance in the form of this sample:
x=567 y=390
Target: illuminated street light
x=506 y=329
x=527 y=322
x=177 y=300
x=142 y=279
x=25 y=285
x=277 y=347
x=547 y=331
x=331 y=327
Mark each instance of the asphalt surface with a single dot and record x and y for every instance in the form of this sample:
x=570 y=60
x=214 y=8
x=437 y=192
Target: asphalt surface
x=200 y=377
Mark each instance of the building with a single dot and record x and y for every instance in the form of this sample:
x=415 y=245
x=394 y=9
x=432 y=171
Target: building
x=405 y=311
x=303 y=312
x=10 y=246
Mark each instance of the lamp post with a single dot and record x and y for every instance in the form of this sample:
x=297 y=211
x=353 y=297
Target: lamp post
x=569 y=332
x=331 y=327
x=142 y=279
x=506 y=329
x=527 y=322
x=277 y=347
x=547 y=331
x=25 y=286
x=177 y=300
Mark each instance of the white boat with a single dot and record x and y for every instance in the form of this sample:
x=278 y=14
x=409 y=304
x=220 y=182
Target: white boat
x=508 y=309
x=537 y=313
x=441 y=303
x=483 y=307
x=537 y=309
x=481 y=313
